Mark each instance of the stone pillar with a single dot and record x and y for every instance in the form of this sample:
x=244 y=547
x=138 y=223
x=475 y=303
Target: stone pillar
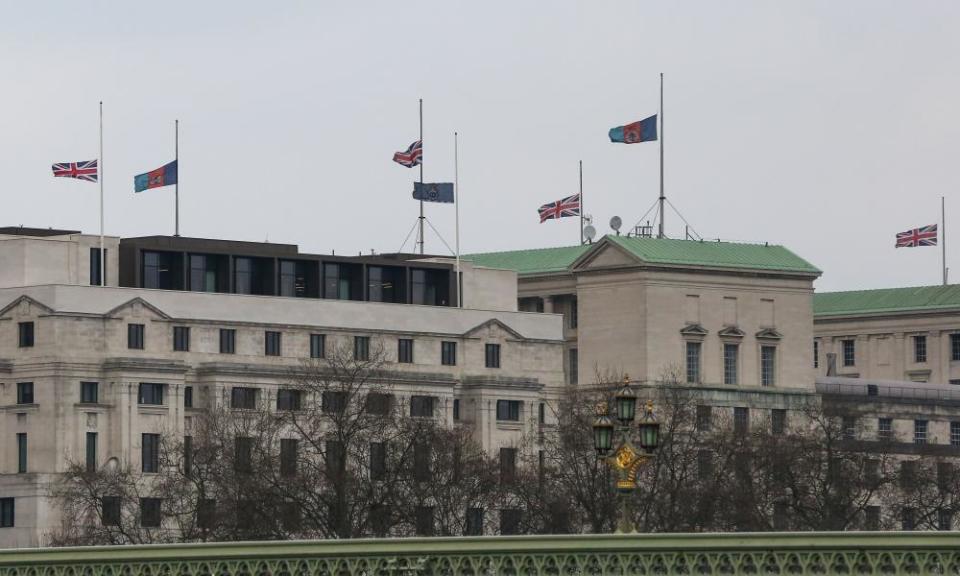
x=548 y=304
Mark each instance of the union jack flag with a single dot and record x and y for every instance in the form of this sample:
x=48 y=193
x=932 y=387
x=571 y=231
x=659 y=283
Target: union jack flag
x=925 y=236
x=412 y=156
x=86 y=170
x=569 y=206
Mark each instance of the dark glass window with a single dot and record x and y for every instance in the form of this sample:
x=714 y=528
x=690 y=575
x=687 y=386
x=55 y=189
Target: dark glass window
x=150 y=512
x=24 y=392
x=181 y=338
x=510 y=521
x=693 y=362
x=252 y=276
x=431 y=287
x=318 y=346
x=731 y=353
x=271 y=342
x=334 y=402
x=741 y=420
x=6 y=513
x=492 y=357
x=448 y=353
x=188 y=456
x=342 y=281
x=290 y=517
x=908 y=519
x=919 y=349
x=150 y=394
x=422 y=406
x=188 y=396
x=95 y=266
x=405 y=351
x=424 y=521
x=150 y=452
x=955 y=433
x=162 y=270
x=288 y=399
x=378 y=460
x=508 y=465
x=288 y=457
x=919 y=431
x=21 y=452
x=704 y=464
x=135 y=336
x=574 y=367
x=885 y=428
x=871 y=519
x=110 y=510
x=243 y=398
x=421 y=462
x=955 y=347
x=474 y=524
x=816 y=354
x=297 y=279
x=380 y=519
x=379 y=403
x=508 y=410
x=242 y=454
x=228 y=341
x=542 y=413
x=386 y=284
x=849 y=353
x=91 y=451
x=361 y=348
x=574 y=315
x=778 y=420
x=456 y=409
x=908 y=474
x=205 y=273
x=335 y=457
x=206 y=513
x=25 y=331
x=89 y=392
x=768 y=365
x=848 y=427
x=704 y=418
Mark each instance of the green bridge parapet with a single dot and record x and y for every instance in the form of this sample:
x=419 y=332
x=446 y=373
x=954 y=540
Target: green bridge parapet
x=849 y=553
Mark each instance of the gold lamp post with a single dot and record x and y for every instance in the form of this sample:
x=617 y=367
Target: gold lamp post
x=626 y=460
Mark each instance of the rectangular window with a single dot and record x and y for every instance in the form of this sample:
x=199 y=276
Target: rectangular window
x=871 y=520
x=693 y=362
x=741 y=420
x=816 y=354
x=380 y=519
x=492 y=357
x=955 y=347
x=508 y=410
x=704 y=418
x=95 y=268
x=188 y=396
x=456 y=409
x=704 y=464
x=110 y=510
x=780 y=519
x=474 y=524
x=335 y=457
x=574 y=313
x=885 y=428
x=730 y=354
x=150 y=512
x=6 y=513
x=361 y=348
x=243 y=454
x=333 y=401
x=421 y=462
x=288 y=399
x=508 y=465
x=944 y=519
x=574 y=367
x=206 y=513
x=541 y=413
x=919 y=431
x=181 y=338
x=424 y=521
x=135 y=336
x=405 y=351
x=89 y=392
x=907 y=519
x=848 y=428
x=288 y=457
x=24 y=392
x=318 y=346
x=228 y=341
x=421 y=406
x=150 y=453
x=378 y=403
x=91 y=451
x=151 y=394
x=271 y=343
x=243 y=398
x=849 y=353
x=955 y=433
x=768 y=365
x=378 y=461
x=778 y=421
x=21 y=453
x=919 y=349
x=25 y=333
x=448 y=353
x=908 y=475
x=188 y=456
x=510 y=521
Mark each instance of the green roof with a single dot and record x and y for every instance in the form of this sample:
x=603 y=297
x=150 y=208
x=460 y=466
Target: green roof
x=655 y=251
x=915 y=299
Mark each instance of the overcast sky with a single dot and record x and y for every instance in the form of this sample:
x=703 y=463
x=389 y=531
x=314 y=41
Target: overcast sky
x=823 y=126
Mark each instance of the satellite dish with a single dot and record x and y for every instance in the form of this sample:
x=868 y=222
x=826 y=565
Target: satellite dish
x=615 y=223
x=589 y=232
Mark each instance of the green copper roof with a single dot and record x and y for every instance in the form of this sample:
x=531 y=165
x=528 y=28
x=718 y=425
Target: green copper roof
x=915 y=299
x=655 y=251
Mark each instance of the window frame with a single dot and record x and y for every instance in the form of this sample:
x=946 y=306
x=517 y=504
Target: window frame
x=509 y=410
x=158 y=393
x=26 y=334
x=955 y=433
x=849 y=352
x=920 y=349
x=244 y=397
x=693 y=361
x=741 y=420
x=448 y=353
x=149 y=453
x=405 y=350
x=318 y=345
x=153 y=507
x=136 y=336
x=22 y=453
x=768 y=365
x=181 y=338
x=361 y=348
x=921 y=431
x=419 y=402
x=91 y=452
x=492 y=355
x=289 y=448
x=731 y=368
x=508 y=465
x=272 y=343
x=778 y=421
x=885 y=429
x=289 y=399
x=25 y=393
x=228 y=341
x=85 y=387
x=8 y=512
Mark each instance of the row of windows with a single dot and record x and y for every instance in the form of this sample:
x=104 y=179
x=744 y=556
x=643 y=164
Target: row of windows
x=849 y=350
x=731 y=355
x=741 y=419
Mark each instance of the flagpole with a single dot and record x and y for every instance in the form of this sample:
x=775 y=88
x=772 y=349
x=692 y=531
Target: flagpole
x=456 y=204
x=581 y=202
x=176 y=187
x=660 y=138
x=421 y=174
x=103 y=264
x=943 y=236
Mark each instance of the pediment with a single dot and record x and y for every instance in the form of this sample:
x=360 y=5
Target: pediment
x=491 y=329
x=694 y=329
x=605 y=254
x=731 y=332
x=24 y=306
x=768 y=334
x=138 y=308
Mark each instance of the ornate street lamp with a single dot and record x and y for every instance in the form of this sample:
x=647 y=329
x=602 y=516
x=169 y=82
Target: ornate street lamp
x=626 y=459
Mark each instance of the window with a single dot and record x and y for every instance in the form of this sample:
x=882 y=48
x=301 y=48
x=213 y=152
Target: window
x=204 y=273
x=508 y=465
x=704 y=418
x=188 y=456
x=448 y=353
x=730 y=354
x=335 y=457
x=421 y=406
x=574 y=366
x=693 y=362
x=456 y=409
x=955 y=433
x=243 y=398
x=574 y=313
x=297 y=279
x=150 y=394
x=778 y=421
x=24 y=392
x=492 y=357
x=380 y=519
x=89 y=392
x=135 y=336
x=318 y=346
x=816 y=354
x=150 y=453
x=509 y=521
x=431 y=287
x=288 y=399
x=378 y=461
x=424 y=521
x=163 y=270
x=95 y=268
x=243 y=454
x=907 y=474
x=474 y=524
x=849 y=428
x=334 y=401
x=954 y=382
x=871 y=471
x=780 y=516
x=188 y=396
x=741 y=420
x=110 y=510
x=290 y=517
x=944 y=519
x=955 y=347
x=379 y=403
x=421 y=462
x=181 y=338
x=25 y=332
x=21 y=452
x=271 y=343
x=542 y=413
x=919 y=431
x=871 y=520
x=361 y=347
x=252 y=275
x=6 y=513
x=704 y=464
x=91 y=452
x=885 y=429
x=508 y=410
x=150 y=512
x=907 y=519
x=768 y=365
x=919 y=349
x=386 y=284
x=405 y=351
x=228 y=341
x=849 y=353
x=288 y=457
x=945 y=475
x=206 y=513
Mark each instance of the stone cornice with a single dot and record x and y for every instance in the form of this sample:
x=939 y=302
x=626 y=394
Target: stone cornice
x=145 y=365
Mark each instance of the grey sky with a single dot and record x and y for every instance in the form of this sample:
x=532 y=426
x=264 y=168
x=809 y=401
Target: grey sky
x=824 y=126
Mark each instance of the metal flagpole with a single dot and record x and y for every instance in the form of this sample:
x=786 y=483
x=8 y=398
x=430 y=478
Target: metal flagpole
x=103 y=264
x=943 y=236
x=581 y=202
x=660 y=138
x=176 y=187
x=456 y=204
x=421 y=174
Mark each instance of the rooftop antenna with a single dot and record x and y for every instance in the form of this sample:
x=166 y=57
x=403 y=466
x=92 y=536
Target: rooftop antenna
x=616 y=223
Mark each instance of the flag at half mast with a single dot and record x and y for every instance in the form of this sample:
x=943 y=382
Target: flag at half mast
x=410 y=157
x=86 y=170
x=643 y=131
x=162 y=176
x=569 y=206
x=923 y=236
